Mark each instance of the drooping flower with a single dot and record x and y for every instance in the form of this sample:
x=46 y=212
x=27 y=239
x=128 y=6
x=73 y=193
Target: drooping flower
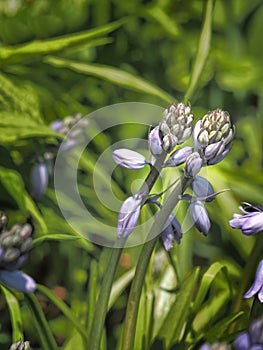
x=199 y=216
x=39 y=180
x=179 y=156
x=202 y=188
x=213 y=135
x=129 y=215
x=250 y=222
x=175 y=126
x=14 y=248
x=193 y=165
x=171 y=233
x=129 y=159
x=257 y=286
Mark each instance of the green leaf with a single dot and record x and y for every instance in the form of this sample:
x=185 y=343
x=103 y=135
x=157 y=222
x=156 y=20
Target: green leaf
x=15 y=314
x=21 y=99
x=65 y=309
x=173 y=324
x=44 y=47
x=206 y=282
x=13 y=182
x=53 y=237
x=111 y=74
x=119 y=286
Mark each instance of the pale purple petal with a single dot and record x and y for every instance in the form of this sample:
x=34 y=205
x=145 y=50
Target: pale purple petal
x=18 y=280
x=253 y=223
x=202 y=188
x=199 y=216
x=258 y=282
x=179 y=156
x=39 y=180
x=242 y=342
x=128 y=158
x=128 y=216
x=155 y=142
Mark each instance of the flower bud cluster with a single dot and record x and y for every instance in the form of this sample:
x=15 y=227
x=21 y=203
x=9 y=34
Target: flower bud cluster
x=20 y=345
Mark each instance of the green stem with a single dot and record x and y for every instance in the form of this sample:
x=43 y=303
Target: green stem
x=46 y=338
x=142 y=265
x=202 y=50
x=103 y=300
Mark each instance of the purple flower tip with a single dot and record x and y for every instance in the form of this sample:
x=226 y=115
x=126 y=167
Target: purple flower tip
x=129 y=159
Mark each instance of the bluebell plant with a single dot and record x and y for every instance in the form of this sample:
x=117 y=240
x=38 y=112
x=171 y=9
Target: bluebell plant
x=212 y=138
x=42 y=169
x=14 y=247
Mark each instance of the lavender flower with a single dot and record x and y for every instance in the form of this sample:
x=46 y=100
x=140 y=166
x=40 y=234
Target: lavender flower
x=129 y=215
x=155 y=142
x=199 y=216
x=39 y=180
x=14 y=247
x=171 y=233
x=251 y=222
x=175 y=127
x=212 y=136
x=193 y=165
x=251 y=339
x=257 y=286
x=129 y=159
x=202 y=188
x=215 y=346
x=179 y=156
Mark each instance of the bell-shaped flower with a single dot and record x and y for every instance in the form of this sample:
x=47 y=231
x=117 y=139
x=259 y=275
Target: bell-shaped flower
x=257 y=286
x=213 y=135
x=179 y=156
x=129 y=215
x=193 y=165
x=199 y=216
x=129 y=159
x=202 y=188
x=39 y=180
x=18 y=281
x=155 y=142
x=251 y=222
x=171 y=233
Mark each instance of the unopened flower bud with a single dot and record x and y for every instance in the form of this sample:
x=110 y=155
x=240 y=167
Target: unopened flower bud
x=202 y=188
x=169 y=142
x=199 y=216
x=128 y=159
x=193 y=165
x=18 y=280
x=3 y=220
x=20 y=345
x=155 y=142
x=39 y=180
x=171 y=233
x=179 y=156
x=129 y=215
x=213 y=135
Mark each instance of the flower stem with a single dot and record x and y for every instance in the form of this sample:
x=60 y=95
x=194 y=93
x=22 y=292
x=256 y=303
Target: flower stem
x=102 y=303
x=142 y=265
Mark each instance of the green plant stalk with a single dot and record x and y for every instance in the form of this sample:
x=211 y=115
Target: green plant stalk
x=46 y=338
x=142 y=265
x=103 y=300
x=202 y=50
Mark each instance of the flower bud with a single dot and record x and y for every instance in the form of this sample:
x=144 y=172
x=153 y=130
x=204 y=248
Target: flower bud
x=18 y=280
x=129 y=215
x=179 y=156
x=213 y=135
x=57 y=125
x=155 y=142
x=199 y=216
x=202 y=188
x=20 y=345
x=39 y=180
x=128 y=159
x=3 y=221
x=171 y=233
x=193 y=165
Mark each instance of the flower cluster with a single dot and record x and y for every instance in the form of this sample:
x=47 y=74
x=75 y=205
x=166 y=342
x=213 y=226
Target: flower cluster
x=14 y=247
x=212 y=138
x=43 y=167
x=20 y=345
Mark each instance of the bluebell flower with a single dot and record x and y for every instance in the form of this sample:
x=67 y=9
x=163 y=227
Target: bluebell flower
x=129 y=159
x=202 y=188
x=193 y=165
x=257 y=286
x=250 y=222
x=213 y=136
x=39 y=180
x=129 y=215
x=14 y=248
x=199 y=216
x=251 y=339
x=179 y=156
x=171 y=233
x=155 y=142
